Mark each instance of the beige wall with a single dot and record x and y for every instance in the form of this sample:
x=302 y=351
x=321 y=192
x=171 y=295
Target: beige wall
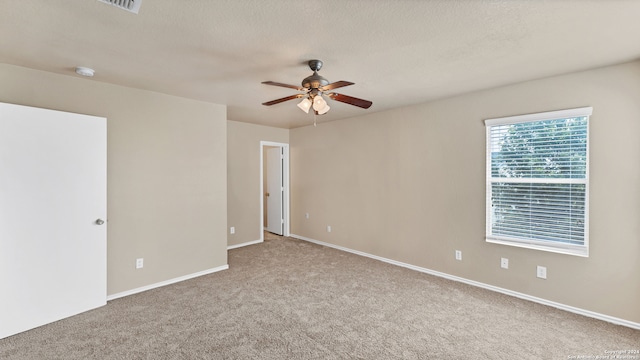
x=409 y=185
x=243 y=177
x=166 y=173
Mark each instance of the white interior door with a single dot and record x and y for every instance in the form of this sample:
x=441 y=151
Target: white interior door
x=275 y=190
x=52 y=193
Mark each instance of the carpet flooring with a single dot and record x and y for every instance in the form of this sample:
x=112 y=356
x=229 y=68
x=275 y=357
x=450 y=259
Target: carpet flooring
x=290 y=299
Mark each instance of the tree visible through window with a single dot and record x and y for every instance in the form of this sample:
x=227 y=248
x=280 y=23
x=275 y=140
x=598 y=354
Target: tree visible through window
x=537 y=180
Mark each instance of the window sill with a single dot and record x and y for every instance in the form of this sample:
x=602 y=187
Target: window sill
x=582 y=251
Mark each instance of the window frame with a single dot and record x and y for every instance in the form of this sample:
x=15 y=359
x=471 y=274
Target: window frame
x=550 y=246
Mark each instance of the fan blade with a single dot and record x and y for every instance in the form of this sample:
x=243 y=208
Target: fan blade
x=273 y=83
x=365 y=104
x=335 y=85
x=278 y=101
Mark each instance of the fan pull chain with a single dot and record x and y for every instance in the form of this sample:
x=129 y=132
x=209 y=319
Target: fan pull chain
x=314 y=119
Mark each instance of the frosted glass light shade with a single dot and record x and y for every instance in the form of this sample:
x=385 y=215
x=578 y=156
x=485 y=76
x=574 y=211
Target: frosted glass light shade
x=320 y=105
x=305 y=104
x=323 y=110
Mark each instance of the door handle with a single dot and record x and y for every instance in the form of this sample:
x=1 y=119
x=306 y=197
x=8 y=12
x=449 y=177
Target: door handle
x=266 y=194
x=99 y=222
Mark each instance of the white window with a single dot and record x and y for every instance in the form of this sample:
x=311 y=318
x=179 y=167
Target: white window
x=538 y=181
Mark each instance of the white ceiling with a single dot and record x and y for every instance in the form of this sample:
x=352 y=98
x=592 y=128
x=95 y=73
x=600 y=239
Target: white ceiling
x=397 y=52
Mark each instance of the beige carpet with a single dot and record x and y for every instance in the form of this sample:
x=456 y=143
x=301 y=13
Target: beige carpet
x=289 y=299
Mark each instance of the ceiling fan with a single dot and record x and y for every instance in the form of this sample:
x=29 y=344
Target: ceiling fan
x=313 y=87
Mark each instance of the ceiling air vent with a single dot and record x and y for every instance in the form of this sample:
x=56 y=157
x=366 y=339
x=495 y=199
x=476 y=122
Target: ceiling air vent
x=129 y=5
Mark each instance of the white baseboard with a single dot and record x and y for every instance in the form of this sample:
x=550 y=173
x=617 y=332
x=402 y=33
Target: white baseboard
x=595 y=315
x=244 y=244
x=166 y=282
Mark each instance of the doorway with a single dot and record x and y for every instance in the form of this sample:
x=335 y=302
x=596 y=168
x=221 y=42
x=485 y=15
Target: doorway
x=274 y=188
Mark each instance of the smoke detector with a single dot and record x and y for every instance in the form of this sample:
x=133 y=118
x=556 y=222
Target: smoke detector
x=128 y=5
x=85 y=71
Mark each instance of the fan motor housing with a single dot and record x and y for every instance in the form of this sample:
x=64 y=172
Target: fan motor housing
x=314 y=81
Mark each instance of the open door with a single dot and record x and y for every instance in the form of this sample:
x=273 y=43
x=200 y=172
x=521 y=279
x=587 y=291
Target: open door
x=275 y=190
x=274 y=180
x=53 y=209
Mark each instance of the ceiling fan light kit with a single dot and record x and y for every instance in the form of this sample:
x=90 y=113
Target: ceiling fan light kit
x=313 y=87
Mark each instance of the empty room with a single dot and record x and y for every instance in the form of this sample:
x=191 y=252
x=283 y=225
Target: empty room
x=319 y=180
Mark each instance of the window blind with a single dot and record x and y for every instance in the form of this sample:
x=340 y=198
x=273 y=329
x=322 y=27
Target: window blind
x=537 y=179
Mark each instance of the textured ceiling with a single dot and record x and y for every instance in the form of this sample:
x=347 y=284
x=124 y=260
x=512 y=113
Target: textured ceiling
x=397 y=52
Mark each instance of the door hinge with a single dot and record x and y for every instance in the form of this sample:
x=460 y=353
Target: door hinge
x=281 y=221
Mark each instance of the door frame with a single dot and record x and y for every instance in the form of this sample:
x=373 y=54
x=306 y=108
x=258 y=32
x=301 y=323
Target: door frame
x=285 y=183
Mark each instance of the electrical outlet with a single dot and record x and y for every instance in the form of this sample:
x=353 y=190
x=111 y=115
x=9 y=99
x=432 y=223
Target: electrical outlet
x=306 y=215
x=139 y=263
x=504 y=263
x=232 y=230
x=458 y=255
x=328 y=228
x=541 y=272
